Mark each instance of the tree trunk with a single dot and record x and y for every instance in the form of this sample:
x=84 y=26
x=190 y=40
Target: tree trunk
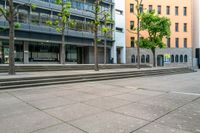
x=96 y=67
x=105 y=50
x=62 y=56
x=154 y=57
x=138 y=36
x=11 y=39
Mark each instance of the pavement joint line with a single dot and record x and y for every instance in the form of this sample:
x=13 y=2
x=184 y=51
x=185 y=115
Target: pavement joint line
x=165 y=115
x=46 y=113
x=186 y=93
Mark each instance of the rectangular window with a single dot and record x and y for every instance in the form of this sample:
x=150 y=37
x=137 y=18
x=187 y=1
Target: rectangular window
x=168 y=10
x=132 y=25
x=120 y=12
x=184 y=11
x=159 y=9
x=119 y=29
x=185 y=43
x=168 y=42
x=177 y=42
x=131 y=8
x=176 y=10
x=176 y=27
x=185 y=27
x=132 y=42
x=150 y=8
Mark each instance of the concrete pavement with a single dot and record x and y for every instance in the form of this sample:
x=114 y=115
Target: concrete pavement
x=162 y=104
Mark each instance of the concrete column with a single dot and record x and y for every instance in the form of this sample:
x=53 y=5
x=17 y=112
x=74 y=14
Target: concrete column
x=123 y=57
x=114 y=53
x=26 y=53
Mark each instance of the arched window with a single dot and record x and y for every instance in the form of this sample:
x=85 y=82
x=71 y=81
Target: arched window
x=133 y=59
x=185 y=58
x=181 y=58
x=172 y=58
x=147 y=59
x=143 y=59
x=176 y=58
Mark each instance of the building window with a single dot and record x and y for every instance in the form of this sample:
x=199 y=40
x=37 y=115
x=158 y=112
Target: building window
x=181 y=58
x=143 y=59
x=172 y=58
x=131 y=8
x=185 y=27
x=132 y=25
x=168 y=10
x=132 y=42
x=177 y=42
x=133 y=59
x=176 y=10
x=176 y=27
x=119 y=29
x=168 y=42
x=184 y=11
x=176 y=58
x=185 y=43
x=150 y=8
x=148 y=59
x=120 y=12
x=159 y=9
x=185 y=58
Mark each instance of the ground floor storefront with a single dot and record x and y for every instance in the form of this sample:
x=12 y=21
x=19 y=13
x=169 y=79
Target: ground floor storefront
x=49 y=53
x=168 y=57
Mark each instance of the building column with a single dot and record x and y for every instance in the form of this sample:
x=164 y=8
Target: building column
x=26 y=52
x=114 y=53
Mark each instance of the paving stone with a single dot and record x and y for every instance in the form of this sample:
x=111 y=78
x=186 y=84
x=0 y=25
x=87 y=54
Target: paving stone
x=71 y=112
x=108 y=122
x=147 y=92
x=60 y=128
x=26 y=122
x=131 y=97
x=77 y=96
x=157 y=128
x=182 y=120
x=107 y=102
x=50 y=102
x=146 y=112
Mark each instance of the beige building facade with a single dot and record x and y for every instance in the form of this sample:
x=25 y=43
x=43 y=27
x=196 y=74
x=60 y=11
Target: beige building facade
x=178 y=46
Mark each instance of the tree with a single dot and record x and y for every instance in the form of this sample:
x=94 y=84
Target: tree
x=106 y=29
x=157 y=27
x=62 y=23
x=10 y=13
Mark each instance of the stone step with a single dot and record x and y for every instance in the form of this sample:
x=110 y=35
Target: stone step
x=86 y=78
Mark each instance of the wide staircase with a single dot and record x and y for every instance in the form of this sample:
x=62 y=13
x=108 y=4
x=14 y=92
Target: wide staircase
x=11 y=83
x=69 y=67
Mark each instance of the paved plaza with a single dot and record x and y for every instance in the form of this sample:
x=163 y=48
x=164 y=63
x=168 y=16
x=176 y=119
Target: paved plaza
x=160 y=104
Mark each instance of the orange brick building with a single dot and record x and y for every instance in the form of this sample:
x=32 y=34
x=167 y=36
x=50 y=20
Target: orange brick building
x=180 y=42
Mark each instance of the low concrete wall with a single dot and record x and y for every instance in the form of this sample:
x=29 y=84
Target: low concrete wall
x=171 y=51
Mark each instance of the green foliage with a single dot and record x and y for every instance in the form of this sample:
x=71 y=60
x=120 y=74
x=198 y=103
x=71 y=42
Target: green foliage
x=157 y=27
x=63 y=21
x=17 y=25
x=33 y=6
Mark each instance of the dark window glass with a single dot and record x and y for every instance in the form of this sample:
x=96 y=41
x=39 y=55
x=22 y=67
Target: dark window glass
x=176 y=10
x=133 y=42
x=181 y=58
x=172 y=58
x=168 y=42
x=131 y=8
x=185 y=58
x=132 y=25
x=185 y=27
x=176 y=58
x=176 y=27
x=133 y=59
x=177 y=42
x=150 y=8
x=147 y=59
x=159 y=9
x=168 y=10
x=184 y=11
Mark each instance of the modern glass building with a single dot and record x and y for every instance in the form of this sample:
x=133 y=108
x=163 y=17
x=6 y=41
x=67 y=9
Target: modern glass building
x=35 y=42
